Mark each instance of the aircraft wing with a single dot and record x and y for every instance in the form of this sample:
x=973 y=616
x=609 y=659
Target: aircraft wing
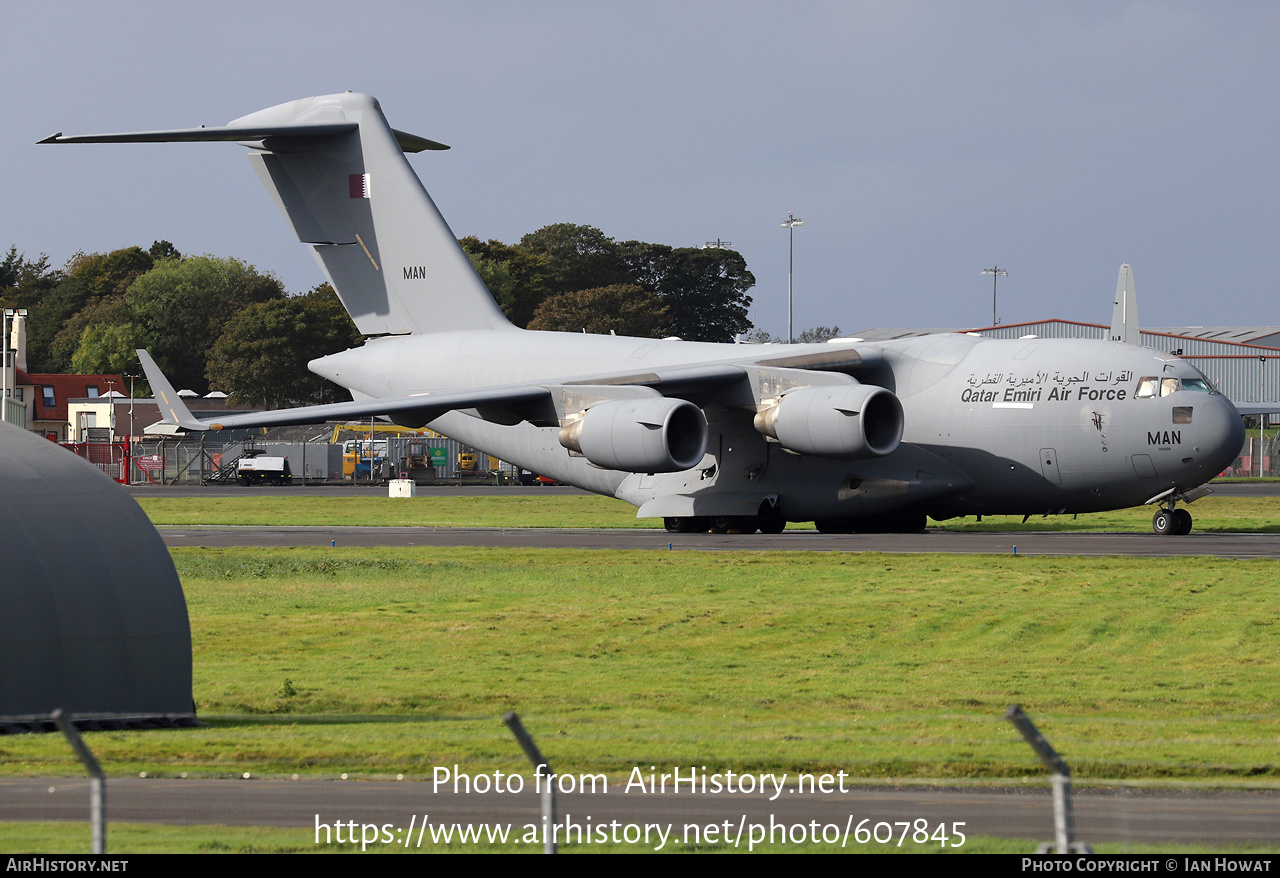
x=419 y=408
x=425 y=407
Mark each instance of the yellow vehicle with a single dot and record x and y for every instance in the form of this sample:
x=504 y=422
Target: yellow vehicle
x=362 y=458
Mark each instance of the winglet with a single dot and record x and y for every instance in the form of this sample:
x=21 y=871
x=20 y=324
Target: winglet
x=174 y=409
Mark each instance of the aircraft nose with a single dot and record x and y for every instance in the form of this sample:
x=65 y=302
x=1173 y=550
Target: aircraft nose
x=1219 y=433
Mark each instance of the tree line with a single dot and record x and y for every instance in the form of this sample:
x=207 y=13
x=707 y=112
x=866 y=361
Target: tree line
x=217 y=323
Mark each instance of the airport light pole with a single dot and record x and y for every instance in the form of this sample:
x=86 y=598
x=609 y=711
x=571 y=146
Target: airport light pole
x=995 y=272
x=790 y=226
x=131 y=377
x=1262 y=418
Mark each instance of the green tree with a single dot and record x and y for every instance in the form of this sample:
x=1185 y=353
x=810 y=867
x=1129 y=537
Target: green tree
x=164 y=250
x=517 y=280
x=625 y=309
x=704 y=289
x=818 y=334
x=577 y=257
x=110 y=311
x=109 y=348
x=87 y=279
x=24 y=283
x=183 y=306
x=261 y=357
x=498 y=278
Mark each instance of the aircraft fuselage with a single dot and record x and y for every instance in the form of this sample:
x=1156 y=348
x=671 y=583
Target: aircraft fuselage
x=991 y=426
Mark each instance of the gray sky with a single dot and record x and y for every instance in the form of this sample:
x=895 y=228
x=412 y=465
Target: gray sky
x=920 y=141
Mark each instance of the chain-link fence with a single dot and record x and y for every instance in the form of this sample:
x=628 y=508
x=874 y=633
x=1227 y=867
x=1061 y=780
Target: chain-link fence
x=652 y=807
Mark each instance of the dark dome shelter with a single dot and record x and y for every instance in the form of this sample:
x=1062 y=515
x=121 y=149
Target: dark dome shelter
x=92 y=615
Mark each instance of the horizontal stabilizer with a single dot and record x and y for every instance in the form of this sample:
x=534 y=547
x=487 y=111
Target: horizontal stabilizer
x=242 y=134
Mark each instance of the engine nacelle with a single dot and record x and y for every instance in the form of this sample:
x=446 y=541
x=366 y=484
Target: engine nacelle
x=651 y=435
x=842 y=421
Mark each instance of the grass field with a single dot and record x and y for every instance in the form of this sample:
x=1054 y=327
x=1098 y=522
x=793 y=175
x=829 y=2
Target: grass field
x=1233 y=514
x=378 y=662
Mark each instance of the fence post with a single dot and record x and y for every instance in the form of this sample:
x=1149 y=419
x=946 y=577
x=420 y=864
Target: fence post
x=1064 y=828
x=541 y=771
x=97 y=780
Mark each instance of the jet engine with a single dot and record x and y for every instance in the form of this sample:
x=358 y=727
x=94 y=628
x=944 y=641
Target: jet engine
x=842 y=421
x=651 y=435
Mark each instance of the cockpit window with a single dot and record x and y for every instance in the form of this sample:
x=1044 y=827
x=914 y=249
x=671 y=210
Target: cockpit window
x=1197 y=384
x=1168 y=386
x=1147 y=388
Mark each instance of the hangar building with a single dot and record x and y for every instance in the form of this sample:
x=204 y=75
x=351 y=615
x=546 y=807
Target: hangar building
x=92 y=615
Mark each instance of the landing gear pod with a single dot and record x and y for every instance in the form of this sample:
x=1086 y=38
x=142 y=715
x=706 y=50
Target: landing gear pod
x=654 y=435
x=847 y=421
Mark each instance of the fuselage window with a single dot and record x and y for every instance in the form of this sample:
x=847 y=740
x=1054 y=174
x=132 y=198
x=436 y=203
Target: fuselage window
x=1182 y=414
x=1147 y=388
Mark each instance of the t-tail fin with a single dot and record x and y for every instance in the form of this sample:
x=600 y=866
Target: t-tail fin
x=337 y=171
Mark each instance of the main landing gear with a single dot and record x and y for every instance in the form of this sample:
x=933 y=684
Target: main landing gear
x=889 y=523
x=769 y=521
x=723 y=524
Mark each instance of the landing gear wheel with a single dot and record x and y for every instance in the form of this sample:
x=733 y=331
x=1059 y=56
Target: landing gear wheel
x=722 y=524
x=676 y=525
x=1164 y=523
x=899 y=523
x=1183 y=520
x=771 y=524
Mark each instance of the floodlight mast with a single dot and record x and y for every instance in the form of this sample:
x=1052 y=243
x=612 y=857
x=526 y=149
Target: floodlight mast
x=995 y=272
x=790 y=226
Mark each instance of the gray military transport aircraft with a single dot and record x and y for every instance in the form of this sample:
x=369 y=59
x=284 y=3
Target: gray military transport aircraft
x=853 y=436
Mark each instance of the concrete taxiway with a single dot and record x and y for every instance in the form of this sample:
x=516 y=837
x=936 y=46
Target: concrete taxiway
x=346 y=489
x=1023 y=543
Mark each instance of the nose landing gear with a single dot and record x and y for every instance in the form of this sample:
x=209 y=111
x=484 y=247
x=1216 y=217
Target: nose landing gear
x=1176 y=522
x=1170 y=521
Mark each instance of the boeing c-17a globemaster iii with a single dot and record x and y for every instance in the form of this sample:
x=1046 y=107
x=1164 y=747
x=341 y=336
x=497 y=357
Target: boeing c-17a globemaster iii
x=852 y=436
